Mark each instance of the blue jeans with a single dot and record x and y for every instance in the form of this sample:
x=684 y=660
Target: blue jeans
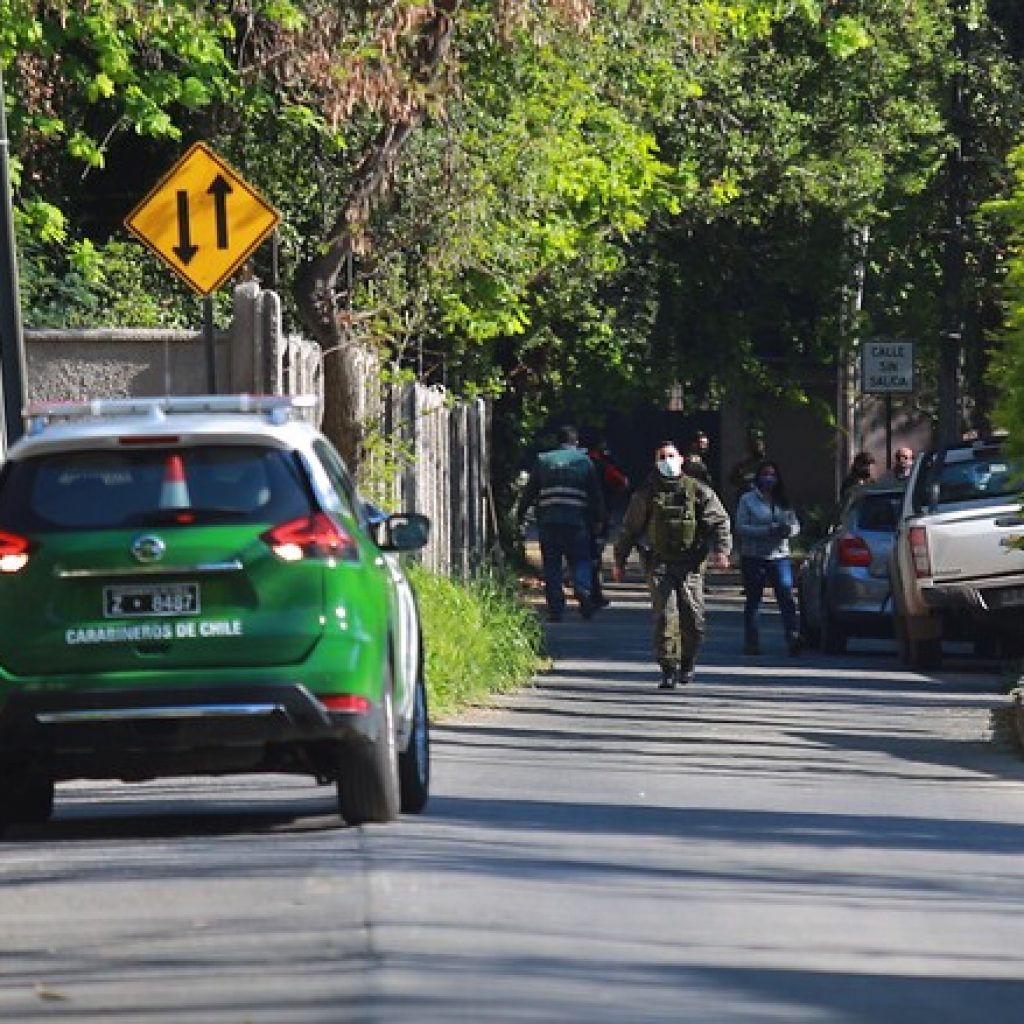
x=561 y=543
x=756 y=573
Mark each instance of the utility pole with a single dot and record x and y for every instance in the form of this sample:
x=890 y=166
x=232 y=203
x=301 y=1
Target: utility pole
x=848 y=425
x=952 y=330
x=12 y=343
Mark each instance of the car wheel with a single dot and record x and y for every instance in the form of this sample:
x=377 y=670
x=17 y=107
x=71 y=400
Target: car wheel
x=368 y=772
x=925 y=654
x=988 y=646
x=810 y=634
x=25 y=800
x=414 y=762
x=899 y=629
x=833 y=638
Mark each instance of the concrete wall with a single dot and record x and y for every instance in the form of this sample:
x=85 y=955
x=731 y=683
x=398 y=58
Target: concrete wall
x=69 y=365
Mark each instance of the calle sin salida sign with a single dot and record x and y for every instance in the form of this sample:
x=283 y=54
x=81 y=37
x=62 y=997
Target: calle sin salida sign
x=887 y=367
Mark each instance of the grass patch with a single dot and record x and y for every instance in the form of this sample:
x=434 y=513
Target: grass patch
x=479 y=638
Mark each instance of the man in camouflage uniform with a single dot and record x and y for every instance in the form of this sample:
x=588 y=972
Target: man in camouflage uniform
x=685 y=525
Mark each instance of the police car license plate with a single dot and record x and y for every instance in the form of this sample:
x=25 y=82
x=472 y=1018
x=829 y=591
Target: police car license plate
x=166 y=599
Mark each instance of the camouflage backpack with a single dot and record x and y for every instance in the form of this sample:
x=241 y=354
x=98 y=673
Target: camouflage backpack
x=673 y=524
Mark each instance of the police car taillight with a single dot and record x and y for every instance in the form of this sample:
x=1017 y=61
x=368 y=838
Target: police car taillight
x=315 y=536
x=14 y=552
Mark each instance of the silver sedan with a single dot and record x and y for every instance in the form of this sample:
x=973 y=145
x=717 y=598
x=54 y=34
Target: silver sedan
x=843 y=584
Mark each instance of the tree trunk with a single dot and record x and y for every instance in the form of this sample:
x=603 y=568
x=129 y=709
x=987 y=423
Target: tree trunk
x=323 y=298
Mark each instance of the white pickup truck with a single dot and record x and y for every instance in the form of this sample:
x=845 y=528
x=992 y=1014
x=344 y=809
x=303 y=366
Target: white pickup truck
x=957 y=569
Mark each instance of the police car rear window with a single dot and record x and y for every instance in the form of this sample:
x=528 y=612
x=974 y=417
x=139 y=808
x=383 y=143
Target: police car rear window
x=144 y=487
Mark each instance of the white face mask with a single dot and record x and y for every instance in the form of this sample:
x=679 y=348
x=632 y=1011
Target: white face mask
x=671 y=466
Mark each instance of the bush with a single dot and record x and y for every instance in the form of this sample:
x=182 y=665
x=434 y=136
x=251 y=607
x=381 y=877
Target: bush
x=478 y=637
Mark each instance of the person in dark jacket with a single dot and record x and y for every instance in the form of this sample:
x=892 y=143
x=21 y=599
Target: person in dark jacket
x=861 y=472
x=614 y=488
x=741 y=476
x=569 y=508
x=682 y=524
x=697 y=457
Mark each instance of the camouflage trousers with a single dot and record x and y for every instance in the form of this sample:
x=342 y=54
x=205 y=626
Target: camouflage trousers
x=677 y=599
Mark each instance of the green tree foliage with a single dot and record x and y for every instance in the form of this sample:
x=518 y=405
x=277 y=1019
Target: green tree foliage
x=1007 y=369
x=82 y=78
x=564 y=202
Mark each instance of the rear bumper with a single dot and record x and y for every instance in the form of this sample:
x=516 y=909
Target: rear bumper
x=137 y=734
x=1005 y=594
x=860 y=603
x=969 y=611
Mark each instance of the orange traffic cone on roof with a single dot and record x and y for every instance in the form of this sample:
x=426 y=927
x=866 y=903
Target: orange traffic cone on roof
x=174 y=490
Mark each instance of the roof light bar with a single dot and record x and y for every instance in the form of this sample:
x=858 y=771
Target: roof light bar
x=38 y=414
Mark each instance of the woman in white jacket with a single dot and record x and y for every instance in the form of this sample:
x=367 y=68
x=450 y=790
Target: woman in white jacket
x=765 y=521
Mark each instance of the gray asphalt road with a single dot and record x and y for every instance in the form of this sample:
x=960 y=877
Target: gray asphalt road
x=813 y=839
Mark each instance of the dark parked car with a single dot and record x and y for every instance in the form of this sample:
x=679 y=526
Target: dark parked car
x=843 y=584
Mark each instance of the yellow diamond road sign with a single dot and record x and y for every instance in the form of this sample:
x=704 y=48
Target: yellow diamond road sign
x=202 y=219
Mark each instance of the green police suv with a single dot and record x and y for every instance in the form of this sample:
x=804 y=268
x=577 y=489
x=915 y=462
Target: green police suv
x=193 y=586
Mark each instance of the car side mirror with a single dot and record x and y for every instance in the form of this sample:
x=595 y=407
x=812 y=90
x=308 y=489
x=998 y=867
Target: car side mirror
x=403 y=531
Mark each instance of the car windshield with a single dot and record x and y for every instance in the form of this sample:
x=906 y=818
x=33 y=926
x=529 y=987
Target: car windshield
x=151 y=486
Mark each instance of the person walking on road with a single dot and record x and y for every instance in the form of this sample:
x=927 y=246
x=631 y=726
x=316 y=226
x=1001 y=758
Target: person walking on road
x=696 y=457
x=614 y=487
x=899 y=472
x=859 y=475
x=685 y=524
x=765 y=522
x=569 y=508
x=741 y=476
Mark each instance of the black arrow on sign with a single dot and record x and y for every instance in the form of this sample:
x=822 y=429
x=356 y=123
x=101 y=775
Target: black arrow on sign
x=220 y=189
x=184 y=250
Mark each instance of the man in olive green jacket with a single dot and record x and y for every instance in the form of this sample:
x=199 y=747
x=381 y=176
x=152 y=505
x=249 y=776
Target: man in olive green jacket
x=685 y=525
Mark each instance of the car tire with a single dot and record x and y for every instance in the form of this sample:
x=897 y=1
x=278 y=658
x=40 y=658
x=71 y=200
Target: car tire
x=414 y=761
x=810 y=635
x=899 y=629
x=833 y=638
x=25 y=800
x=368 y=772
x=925 y=654
x=988 y=646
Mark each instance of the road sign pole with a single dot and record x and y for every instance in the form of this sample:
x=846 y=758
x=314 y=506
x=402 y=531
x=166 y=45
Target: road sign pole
x=12 y=343
x=209 y=343
x=888 y=430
